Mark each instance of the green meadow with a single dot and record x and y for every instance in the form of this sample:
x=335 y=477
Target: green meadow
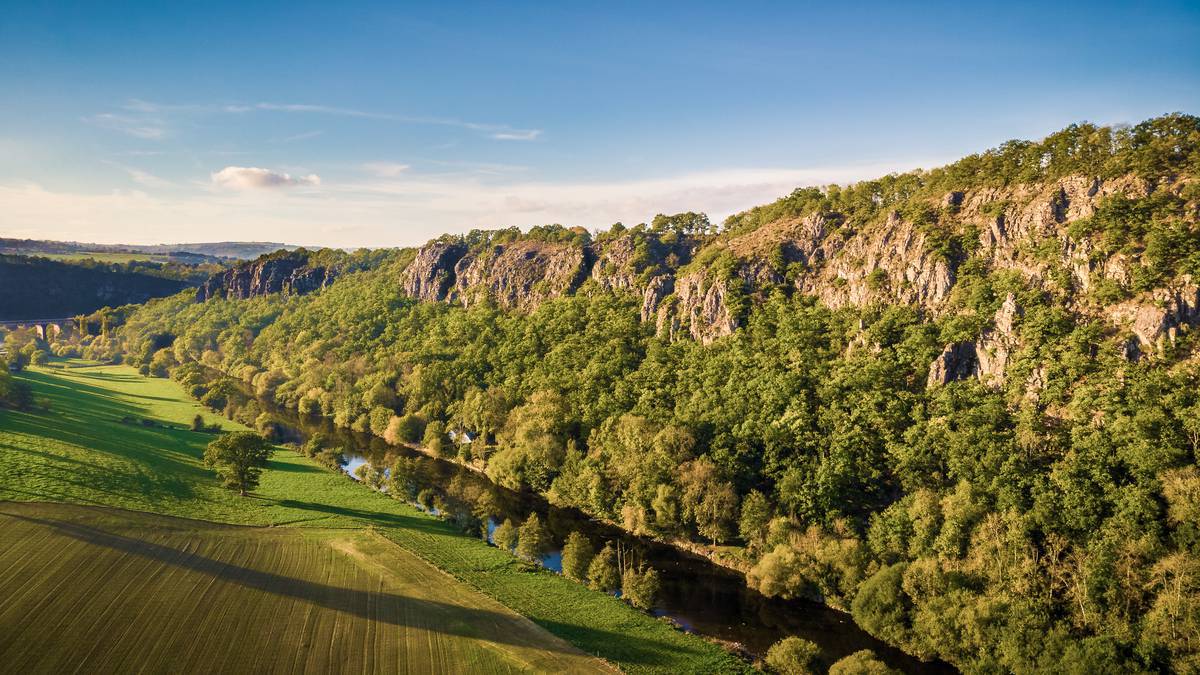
x=112 y=439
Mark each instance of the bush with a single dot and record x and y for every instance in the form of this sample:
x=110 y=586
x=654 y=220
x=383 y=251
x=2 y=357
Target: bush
x=793 y=656
x=13 y=392
x=603 y=574
x=198 y=423
x=863 y=662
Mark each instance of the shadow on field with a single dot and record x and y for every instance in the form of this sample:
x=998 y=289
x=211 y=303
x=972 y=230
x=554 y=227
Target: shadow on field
x=160 y=461
x=370 y=517
x=386 y=607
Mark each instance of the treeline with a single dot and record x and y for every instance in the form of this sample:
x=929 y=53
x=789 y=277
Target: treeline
x=1158 y=148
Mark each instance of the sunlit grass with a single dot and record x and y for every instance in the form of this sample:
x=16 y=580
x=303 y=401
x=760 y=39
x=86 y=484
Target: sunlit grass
x=114 y=438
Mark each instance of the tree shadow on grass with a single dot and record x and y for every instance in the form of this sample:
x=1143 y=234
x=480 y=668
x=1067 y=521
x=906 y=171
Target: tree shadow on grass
x=399 y=610
x=367 y=517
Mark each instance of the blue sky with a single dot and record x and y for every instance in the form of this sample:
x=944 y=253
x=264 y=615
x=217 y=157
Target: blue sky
x=386 y=124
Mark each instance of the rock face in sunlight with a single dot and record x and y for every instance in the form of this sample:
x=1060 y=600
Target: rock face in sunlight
x=431 y=275
x=522 y=274
x=700 y=286
x=288 y=272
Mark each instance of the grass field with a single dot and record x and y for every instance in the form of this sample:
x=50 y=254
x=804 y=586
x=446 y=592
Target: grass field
x=81 y=452
x=190 y=596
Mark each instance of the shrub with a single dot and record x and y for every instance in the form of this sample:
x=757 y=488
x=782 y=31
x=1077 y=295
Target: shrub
x=793 y=656
x=863 y=662
x=640 y=587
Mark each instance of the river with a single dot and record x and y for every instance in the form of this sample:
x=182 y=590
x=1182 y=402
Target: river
x=701 y=596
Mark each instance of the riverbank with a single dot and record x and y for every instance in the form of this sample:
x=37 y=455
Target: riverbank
x=710 y=599
x=114 y=438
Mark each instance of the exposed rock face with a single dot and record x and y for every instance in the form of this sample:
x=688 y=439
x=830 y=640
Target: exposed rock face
x=431 y=275
x=894 y=263
x=1156 y=318
x=884 y=259
x=956 y=362
x=287 y=273
x=521 y=275
x=997 y=343
x=656 y=291
x=703 y=307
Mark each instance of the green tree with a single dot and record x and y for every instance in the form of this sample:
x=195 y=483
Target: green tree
x=505 y=535
x=640 y=587
x=198 y=422
x=882 y=607
x=435 y=439
x=756 y=514
x=533 y=539
x=239 y=458
x=577 y=554
x=793 y=656
x=603 y=574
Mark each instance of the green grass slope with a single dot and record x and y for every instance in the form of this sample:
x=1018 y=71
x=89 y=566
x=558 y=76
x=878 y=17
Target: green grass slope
x=81 y=452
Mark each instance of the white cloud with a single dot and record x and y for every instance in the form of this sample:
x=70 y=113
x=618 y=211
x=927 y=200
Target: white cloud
x=254 y=178
x=385 y=169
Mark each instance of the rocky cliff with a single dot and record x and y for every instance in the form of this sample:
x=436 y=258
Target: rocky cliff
x=1108 y=245
x=289 y=272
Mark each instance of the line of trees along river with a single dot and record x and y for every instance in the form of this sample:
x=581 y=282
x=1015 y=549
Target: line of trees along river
x=698 y=594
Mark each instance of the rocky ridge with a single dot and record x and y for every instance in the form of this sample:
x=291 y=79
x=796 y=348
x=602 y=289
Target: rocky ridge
x=289 y=273
x=698 y=286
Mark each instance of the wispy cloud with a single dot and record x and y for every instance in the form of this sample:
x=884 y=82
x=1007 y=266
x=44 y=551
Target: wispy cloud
x=301 y=136
x=254 y=178
x=141 y=177
x=385 y=169
x=144 y=119
x=496 y=131
x=529 y=135
x=146 y=128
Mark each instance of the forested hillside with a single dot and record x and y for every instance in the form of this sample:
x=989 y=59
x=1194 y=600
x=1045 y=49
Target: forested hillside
x=37 y=288
x=962 y=404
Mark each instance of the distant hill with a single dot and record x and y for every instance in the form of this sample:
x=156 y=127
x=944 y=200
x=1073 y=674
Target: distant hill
x=238 y=250
x=37 y=288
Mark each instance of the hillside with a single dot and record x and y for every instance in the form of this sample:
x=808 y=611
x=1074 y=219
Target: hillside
x=959 y=403
x=37 y=288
